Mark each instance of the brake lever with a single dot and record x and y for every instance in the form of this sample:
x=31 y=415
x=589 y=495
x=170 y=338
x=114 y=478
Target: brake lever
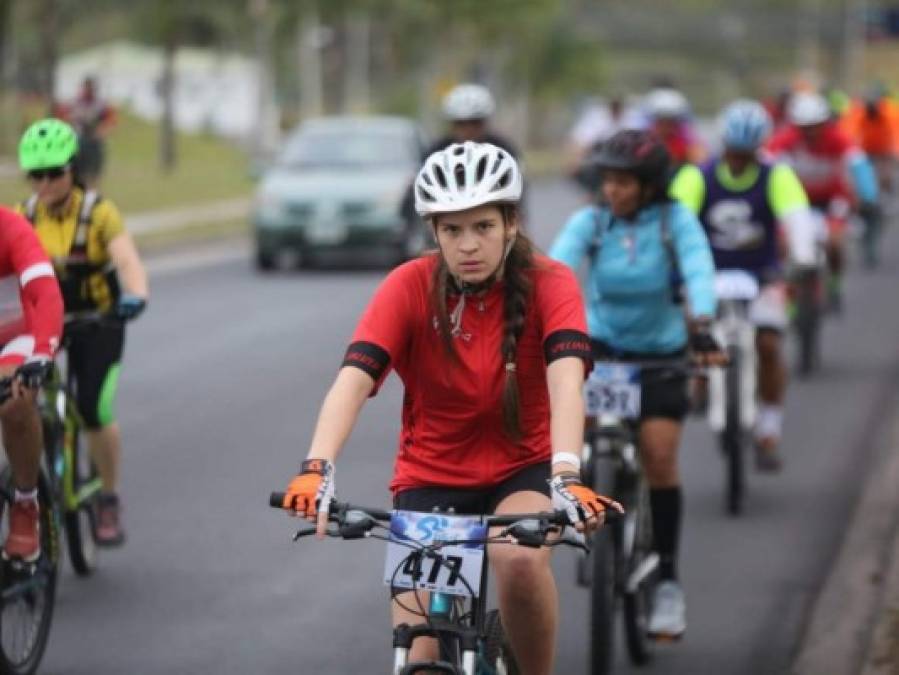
x=530 y=533
x=571 y=537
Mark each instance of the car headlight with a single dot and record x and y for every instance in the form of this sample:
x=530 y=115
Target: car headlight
x=270 y=207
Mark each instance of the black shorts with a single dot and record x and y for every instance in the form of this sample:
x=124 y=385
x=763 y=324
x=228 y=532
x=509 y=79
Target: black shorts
x=94 y=353
x=663 y=392
x=476 y=501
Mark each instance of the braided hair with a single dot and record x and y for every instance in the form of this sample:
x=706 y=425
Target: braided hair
x=518 y=286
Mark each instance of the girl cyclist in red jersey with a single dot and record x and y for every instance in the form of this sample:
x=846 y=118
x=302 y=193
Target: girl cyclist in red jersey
x=489 y=339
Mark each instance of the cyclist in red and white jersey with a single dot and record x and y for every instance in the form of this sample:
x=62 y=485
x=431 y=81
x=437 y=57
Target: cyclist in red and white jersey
x=669 y=119
x=31 y=312
x=489 y=339
x=834 y=172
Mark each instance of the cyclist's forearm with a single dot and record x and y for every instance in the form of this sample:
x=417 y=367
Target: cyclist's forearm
x=565 y=381
x=127 y=261
x=801 y=227
x=339 y=412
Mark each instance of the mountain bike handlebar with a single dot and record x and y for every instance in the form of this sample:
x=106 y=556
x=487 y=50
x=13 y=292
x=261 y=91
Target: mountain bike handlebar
x=529 y=529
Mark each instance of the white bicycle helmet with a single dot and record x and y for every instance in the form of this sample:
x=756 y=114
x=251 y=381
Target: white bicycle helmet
x=468 y=102
x=466 y=175
x=667 y=103
x=807 y=109
x=744 y=124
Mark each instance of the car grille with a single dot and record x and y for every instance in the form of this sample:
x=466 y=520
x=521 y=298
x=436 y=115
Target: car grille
x=300 y=211
x=353 y=210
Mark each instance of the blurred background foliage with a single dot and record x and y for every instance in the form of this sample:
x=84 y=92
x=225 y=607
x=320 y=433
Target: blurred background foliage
x=541 y=58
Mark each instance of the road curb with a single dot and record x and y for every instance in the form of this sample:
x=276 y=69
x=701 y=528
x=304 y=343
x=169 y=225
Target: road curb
x=838 y=637
x=882 y=656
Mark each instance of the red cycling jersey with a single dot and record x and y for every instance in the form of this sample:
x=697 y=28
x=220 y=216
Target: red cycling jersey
x=452 y=423
x=821 y=167
x=31 y=306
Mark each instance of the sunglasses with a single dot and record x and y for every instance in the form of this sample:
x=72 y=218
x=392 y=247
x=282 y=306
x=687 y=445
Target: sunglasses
x=51 y=174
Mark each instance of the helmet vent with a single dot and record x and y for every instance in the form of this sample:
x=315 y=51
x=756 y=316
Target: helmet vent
x=424 y=195
x=460 y=175
x=481 y=169
x=459 y=149
x=440 y=176
x=503 y=181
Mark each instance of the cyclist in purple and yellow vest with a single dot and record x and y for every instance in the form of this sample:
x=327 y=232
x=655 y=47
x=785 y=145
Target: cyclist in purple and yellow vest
x=743 y=202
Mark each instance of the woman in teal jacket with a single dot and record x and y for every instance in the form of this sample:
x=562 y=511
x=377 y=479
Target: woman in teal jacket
x=643 y=252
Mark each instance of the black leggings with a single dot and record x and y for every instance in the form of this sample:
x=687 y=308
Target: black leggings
x=95 y=354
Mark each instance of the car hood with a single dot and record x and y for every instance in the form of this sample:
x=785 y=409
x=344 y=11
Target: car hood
x=345 y=185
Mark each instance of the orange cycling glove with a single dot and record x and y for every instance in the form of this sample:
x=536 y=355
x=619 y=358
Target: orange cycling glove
x=577 y=500
x=312 y=490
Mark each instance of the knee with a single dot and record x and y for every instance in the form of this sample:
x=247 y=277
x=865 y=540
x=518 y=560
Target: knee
x=660 y=465
x=19 y=417
x=519 y=569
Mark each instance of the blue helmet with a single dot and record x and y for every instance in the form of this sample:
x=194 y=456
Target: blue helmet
x=745 y=125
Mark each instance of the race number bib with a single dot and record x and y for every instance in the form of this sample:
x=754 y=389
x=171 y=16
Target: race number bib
x=460 y=561
x=613 y=389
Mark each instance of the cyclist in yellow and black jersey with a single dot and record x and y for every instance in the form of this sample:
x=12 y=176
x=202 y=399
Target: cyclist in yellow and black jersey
x=99 y=271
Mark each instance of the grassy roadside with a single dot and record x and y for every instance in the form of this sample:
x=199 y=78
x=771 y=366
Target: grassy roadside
x=209 y=169
x=194 y=234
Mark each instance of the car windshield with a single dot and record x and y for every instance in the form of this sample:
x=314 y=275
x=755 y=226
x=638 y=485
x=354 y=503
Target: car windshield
x=314 y=149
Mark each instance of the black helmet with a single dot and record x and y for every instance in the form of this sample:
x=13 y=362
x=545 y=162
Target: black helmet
x=639 y=152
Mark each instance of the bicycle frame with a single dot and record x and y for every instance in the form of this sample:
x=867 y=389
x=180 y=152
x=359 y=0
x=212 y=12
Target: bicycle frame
x=58 y=391
x=356 y=522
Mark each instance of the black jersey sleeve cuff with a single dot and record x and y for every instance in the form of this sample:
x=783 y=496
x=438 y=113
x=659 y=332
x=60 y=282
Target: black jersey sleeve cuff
x=564 y=343
x=369 y=358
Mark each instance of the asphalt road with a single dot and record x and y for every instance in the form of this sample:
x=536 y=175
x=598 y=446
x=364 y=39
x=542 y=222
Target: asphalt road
x=222 y=382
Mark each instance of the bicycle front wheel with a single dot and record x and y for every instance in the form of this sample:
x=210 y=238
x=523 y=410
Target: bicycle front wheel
x=80 y=510
x=28 y=592
x=637 y=601
x=497 y=654
x=602 y=604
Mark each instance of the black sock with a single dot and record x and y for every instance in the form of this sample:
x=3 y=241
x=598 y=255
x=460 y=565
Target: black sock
x=665 y=504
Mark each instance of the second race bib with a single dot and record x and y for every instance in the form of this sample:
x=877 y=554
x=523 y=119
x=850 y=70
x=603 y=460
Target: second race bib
x=613 y=389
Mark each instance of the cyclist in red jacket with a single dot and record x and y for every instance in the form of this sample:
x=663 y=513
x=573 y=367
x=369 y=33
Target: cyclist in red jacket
x=489 y=339
x=30 y=326
x=833 y=170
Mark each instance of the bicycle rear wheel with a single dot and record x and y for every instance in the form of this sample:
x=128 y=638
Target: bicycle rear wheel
x=79 y=515
x=602 y=604
x=28 y=592
x=732 y=436
x=497 y=654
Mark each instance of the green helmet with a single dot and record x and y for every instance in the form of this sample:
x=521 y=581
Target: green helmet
x=46 y=144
